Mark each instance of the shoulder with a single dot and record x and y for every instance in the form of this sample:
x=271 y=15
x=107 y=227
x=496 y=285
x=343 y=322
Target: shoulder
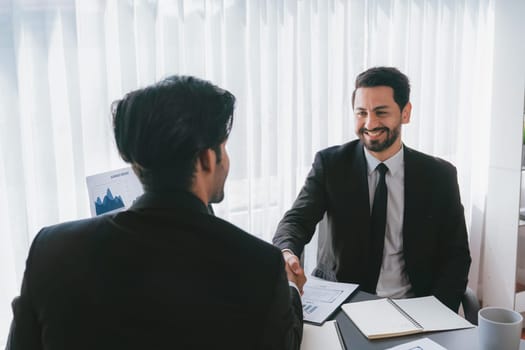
x=59 y=247
x=243 y=252
x=68 y=238
x=71 y=230
x=246 y=244
x=432 y=165
x=344 y=152
x=341 y=150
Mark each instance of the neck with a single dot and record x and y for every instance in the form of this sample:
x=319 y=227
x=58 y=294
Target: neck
x=199 y=190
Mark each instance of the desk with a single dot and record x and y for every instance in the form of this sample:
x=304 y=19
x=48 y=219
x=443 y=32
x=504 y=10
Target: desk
x=355 y=340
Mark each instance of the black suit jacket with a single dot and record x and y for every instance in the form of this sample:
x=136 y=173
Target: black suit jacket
x=163 y=275
x=435 y=240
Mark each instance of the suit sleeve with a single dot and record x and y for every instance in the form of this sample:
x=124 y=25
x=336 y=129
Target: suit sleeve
x=25 y=332
x=454 y=254
x=283 y=328
x=298 y=224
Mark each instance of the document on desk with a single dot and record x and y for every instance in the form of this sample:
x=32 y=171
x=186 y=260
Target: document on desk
x=420 y=344
x=326 y=337
x=383 y=318
x=321 y=298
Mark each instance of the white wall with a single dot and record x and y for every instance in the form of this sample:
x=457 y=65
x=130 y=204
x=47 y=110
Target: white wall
x=499 y=253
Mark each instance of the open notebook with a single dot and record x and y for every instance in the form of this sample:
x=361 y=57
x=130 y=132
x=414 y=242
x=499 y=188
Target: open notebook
x=383 y=318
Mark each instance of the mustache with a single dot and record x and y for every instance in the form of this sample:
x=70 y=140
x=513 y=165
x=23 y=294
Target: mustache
x=383 y=128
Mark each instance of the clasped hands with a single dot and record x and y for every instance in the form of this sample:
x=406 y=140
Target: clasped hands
x=294 y=271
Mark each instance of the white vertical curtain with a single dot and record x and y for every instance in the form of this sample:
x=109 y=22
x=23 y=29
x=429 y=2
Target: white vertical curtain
x=291 y=64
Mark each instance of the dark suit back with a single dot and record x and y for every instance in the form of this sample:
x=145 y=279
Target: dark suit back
x=153 y=278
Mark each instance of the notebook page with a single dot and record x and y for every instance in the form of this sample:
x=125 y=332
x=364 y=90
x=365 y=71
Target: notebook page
x=379 y=318
x=431 y=314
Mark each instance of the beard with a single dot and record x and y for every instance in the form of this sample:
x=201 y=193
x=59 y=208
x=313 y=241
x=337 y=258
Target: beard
x=218 y=193
x=217 y=196
x=377 y=145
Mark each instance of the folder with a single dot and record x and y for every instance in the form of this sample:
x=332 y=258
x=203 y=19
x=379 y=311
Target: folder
x=384 y=318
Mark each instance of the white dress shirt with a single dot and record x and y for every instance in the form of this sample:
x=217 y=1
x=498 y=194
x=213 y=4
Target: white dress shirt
x=393 y=280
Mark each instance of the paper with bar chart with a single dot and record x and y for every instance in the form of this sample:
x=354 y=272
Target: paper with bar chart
x=321 y=298
x=113 y=191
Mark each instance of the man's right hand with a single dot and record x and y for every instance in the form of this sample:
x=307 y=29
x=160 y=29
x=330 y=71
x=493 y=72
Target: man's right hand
x=294 y=271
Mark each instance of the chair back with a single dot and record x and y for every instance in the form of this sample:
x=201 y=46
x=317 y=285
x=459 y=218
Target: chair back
x=471 y=306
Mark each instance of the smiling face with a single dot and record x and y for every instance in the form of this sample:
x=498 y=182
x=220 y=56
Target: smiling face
x=378 y=120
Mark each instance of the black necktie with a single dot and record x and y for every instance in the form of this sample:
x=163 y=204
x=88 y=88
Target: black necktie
x=377 y=225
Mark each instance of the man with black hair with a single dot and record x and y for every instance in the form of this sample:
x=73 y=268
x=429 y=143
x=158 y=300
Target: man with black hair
x=165 y=274
x=396 y=224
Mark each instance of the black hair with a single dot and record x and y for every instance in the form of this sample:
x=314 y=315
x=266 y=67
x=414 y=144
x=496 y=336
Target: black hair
x=385 y=76
x=161 y=129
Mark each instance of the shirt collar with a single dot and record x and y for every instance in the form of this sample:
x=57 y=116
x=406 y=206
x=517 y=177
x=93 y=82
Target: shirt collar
x=394 y=163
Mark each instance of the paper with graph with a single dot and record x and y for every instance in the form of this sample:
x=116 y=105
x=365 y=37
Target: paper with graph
x=113 y=191
x=321 y=298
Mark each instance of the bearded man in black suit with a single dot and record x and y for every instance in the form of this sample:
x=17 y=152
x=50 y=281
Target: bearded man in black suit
x=418 y=246
x=167 y=273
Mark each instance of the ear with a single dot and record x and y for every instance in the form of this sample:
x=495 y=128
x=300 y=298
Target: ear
x=405 y=113
x=206 y=160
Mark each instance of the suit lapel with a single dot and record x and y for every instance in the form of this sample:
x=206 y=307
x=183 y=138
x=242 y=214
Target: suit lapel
x=416 y=193
x=361 y=204
x=352 y=237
